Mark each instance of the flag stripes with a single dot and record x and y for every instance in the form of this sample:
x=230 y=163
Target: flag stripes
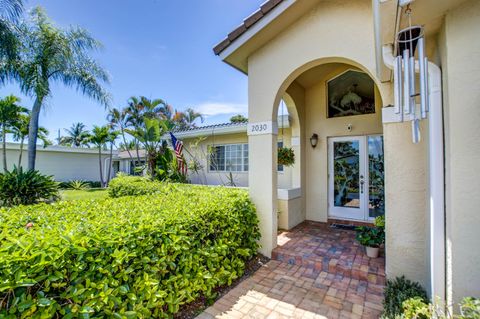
x=178 y=148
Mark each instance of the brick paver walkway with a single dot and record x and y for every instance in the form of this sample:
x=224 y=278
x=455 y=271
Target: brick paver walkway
x=316 y=272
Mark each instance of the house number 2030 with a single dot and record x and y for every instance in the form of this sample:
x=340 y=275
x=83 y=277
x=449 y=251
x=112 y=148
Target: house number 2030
x=260 y=128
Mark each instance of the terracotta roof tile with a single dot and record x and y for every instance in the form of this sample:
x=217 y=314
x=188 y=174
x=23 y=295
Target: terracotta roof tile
x=237 y=32
x=253 y=18
x=198 y=128
x=265 y=8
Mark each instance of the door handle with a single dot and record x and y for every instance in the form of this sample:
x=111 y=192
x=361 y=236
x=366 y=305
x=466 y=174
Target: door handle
x=362 y=182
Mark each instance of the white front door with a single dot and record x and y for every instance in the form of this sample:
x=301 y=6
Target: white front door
x=355 y=184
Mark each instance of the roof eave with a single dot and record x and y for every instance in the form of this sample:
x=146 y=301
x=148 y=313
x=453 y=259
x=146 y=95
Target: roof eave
x=230 y=50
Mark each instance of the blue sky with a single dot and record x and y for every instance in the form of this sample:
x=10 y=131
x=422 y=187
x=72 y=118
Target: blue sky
x=157 y=48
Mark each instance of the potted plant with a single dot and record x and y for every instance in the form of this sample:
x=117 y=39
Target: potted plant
x=372 y=238
x=286 y=156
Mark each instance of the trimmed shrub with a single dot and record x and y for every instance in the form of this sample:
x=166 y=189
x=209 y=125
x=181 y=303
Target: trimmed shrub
x=399 y=290
x=19 y=187
x=125 y=185
x=130 y=257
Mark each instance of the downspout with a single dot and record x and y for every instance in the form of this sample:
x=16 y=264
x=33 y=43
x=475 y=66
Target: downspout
x=436 y=163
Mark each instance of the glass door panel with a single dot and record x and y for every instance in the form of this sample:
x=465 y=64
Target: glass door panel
x=376 y=174
x=346 y=174
x=347 y=177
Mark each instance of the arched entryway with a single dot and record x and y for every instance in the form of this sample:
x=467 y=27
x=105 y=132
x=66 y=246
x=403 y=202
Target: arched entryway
x=338 y=103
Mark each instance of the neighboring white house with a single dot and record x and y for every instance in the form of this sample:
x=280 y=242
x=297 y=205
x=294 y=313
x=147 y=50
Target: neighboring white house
x=64 y=163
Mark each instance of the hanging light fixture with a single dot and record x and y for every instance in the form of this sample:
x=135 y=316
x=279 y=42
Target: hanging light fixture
x=314 y=140
x=404 y=73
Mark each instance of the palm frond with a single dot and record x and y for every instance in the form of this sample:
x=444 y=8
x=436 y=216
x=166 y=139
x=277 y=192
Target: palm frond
x=11 y=9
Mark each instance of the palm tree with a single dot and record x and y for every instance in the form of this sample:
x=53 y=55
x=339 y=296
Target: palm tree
x=189 y=117
x=99 y=138
x=112 y=137
x=150 y=136
x=20 y=133
x=10 y=11
x=126 y=146
x=117 y=120
x=151 y=108
x=77 y=136
x=49 y=54
x=10 y=113
x=134 y=119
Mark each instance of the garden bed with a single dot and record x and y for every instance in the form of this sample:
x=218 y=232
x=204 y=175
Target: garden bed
x=128 y=257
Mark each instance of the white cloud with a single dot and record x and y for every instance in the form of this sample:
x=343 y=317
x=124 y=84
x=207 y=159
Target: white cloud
x=216 y=108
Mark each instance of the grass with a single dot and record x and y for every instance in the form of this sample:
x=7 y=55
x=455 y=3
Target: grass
x=93 y=193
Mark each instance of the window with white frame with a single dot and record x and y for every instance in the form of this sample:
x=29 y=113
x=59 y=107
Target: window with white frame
x=229 y=158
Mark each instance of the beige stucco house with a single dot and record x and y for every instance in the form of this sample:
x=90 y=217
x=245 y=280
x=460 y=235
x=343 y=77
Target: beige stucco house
x=331 y=62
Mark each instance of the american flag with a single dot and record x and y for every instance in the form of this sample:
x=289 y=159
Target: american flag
x=178 y=147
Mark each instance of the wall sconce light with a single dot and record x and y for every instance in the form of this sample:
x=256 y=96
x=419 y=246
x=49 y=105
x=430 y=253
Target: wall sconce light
x=314 y=140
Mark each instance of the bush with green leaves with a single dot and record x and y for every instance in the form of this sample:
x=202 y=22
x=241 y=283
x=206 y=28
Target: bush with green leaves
x=78 y=185
x=397 y=291
x=129 y=257
x=124 y=185
x=370 y=236
x=89 y=184
x=417 y=308
x=19 y=187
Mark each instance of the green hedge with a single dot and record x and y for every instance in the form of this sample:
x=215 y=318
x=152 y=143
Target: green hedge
x=125 y=185
x=130 y=257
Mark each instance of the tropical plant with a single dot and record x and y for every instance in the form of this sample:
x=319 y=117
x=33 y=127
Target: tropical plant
x=112 y=137
x=150 y=136
x=19 y=187
x=379 y=221
x=100 y=137
x=49 y=54
x=78 y=185
x=132 y=257
x=286 y=156
x=10 y=11
x=370 y=236
x=470 y=308
x=188 y=118
x=77 y=136
x=89 y=184
x=239 y=118
x=127 y=146
x=418 y=308
x=20 y=133
x=396 y=292
x=10 y=113
x=117 y=120
x=134 y=119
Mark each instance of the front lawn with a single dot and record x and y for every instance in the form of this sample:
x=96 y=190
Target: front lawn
x=129 y=257
x=93 y=193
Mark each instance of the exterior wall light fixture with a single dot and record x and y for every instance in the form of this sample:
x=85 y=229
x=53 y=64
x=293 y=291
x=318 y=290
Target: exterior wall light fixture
x=314 y=140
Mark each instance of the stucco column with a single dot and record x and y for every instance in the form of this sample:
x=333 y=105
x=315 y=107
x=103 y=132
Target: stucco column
x=297 y=167
x=262 y=176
